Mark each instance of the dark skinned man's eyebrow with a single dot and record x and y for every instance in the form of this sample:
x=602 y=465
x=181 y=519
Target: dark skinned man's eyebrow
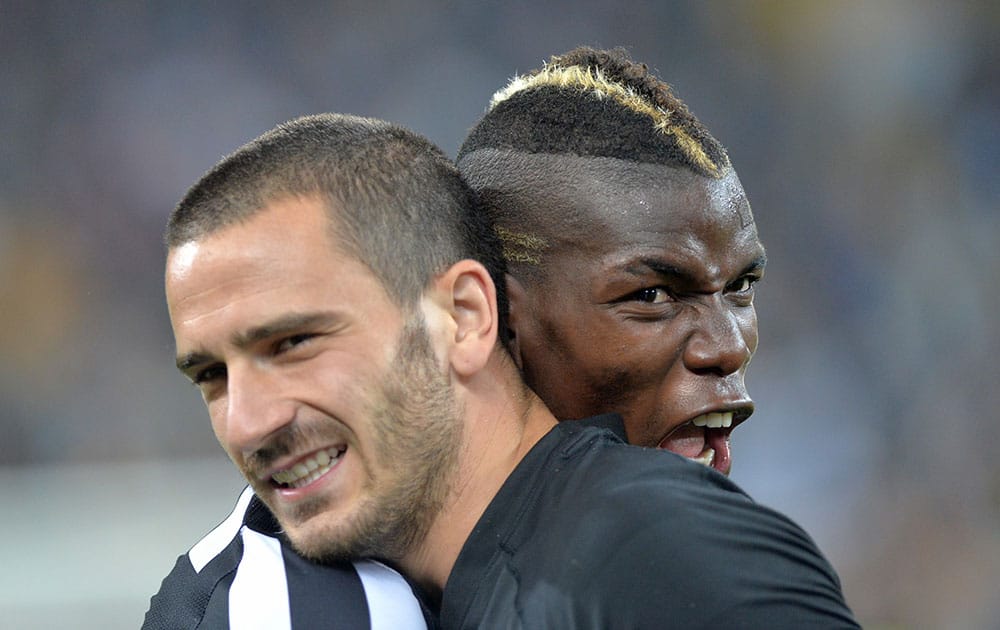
x=664 y=268
x=283 y=325
x=659 y=267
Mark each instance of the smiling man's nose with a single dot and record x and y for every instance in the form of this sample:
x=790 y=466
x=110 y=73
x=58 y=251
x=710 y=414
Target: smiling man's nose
x=719 y=343
x=255 y=409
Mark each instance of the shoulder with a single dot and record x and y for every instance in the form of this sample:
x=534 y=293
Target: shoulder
x=645 y=533
x=244 y=574
x=658 y=504
x=594 y=468
x=186 y=592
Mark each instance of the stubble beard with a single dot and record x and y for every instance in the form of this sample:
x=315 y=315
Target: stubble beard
x=416 y=435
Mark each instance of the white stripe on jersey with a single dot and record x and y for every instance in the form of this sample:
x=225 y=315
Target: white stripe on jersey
x=391 y=604
x=258 y=597
x=217 y=539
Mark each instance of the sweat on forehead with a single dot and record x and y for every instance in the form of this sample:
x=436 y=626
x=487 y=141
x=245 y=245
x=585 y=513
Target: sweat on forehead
x=600 y=104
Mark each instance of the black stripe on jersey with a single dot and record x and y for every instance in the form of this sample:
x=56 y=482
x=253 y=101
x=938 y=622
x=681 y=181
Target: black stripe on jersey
x=260 y=519
x=311 y=587
x=217 y=612
x=186 y=599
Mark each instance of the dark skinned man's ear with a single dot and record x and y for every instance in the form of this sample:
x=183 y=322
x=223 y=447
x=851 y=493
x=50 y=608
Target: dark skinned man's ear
x=516 y=300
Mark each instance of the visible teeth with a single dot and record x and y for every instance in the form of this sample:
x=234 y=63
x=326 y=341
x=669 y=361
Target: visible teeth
x=310 y=470
x=714 y=420
x=705 y=459
x=322 y=458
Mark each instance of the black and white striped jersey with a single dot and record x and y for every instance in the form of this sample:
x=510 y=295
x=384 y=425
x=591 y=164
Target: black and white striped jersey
x=241 y=576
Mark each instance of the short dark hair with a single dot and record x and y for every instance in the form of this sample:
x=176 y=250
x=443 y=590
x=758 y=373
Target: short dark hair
x=398 y=203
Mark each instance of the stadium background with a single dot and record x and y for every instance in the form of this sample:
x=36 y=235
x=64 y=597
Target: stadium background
x=866 y=135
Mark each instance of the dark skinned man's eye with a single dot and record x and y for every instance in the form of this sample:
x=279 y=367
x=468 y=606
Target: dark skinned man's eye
x=651 y=295
x=744 y=284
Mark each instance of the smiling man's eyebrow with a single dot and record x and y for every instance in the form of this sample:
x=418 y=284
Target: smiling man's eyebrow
x=191 y=360
x=282 y=325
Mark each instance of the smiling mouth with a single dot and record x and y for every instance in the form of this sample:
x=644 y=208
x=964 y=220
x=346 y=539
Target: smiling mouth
x=308 y=470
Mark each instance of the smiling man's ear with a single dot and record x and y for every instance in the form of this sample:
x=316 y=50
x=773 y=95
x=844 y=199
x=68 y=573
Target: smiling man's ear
x=465 y=309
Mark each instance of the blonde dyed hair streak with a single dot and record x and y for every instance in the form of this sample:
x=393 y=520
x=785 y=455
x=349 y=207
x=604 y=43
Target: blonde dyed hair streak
x=520 y=247
x=593 y=80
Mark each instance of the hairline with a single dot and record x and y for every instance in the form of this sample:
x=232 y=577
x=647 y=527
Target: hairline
x=338 y=234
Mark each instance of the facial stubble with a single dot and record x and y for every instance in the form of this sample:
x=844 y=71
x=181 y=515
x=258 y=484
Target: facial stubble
x=416 y=435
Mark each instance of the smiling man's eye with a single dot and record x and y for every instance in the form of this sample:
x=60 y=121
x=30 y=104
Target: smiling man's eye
x=295 y=340
x=209 y=374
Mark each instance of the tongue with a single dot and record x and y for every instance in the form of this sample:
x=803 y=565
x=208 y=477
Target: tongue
x=687 y=440
x=719 y=440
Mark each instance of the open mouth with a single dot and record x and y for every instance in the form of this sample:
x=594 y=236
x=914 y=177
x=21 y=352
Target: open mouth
x=705 y=438
x=309 y=469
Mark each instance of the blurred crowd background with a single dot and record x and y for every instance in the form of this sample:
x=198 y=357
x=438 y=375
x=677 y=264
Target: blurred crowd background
x=867 y=135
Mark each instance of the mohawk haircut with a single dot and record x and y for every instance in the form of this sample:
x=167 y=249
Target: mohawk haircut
x=597 y=103
x=395 y=201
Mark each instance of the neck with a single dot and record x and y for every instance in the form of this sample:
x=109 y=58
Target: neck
x=500 y=429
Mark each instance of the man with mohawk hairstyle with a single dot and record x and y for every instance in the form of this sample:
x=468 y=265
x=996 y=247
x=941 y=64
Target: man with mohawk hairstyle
x=632 y=257
x=580 y=530
x=631 y=249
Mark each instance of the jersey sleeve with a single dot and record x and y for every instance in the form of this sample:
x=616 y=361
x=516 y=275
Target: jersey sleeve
x=715 y=559
x=195 y=591
x=244 y=576
x=748 y=568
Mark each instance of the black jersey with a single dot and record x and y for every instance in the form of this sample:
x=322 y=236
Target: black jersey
x=244 y=575
x=590 y=533
x=586 y=533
